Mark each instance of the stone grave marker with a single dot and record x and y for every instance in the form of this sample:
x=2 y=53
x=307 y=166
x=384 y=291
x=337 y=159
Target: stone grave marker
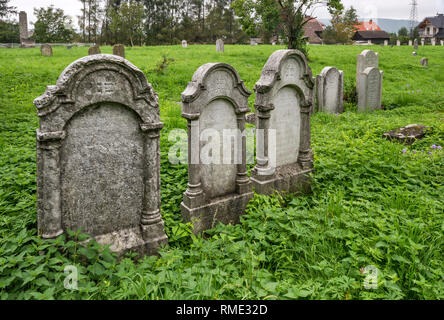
x=94 y=50
x=330 y=90
x=422 y=42
x=46 y=50
x=370 y=89
x=215 y=103
x=386 y=43
x=284 y=102
x=184 y=44
x=98 y=163
x=410 y=43
x=408 y=134
x=414 y=53
x=220 y=45
x=119 y=50
x=366 y=59
x=415 y=44
x=424 y=62
x=433 y=42
x=369 y=42
x=398 y=43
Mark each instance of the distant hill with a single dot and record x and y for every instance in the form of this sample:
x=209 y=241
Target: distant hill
x=388 y=25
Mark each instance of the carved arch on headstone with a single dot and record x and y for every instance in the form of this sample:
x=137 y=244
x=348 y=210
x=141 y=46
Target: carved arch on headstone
x=120 y=83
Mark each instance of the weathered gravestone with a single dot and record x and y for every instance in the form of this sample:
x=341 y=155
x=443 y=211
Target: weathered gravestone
x=442 y=42
x=366 y=59
x=98 y=164
x=94 y=50
x=408 y=134
x=398 y=43
x=414 y=53
x=386 y=43
x=284 y=101
x=433 y=42
x=370 y=89
x=46 y=50
x=369 y=42
x=424 y=62
x=410 y=43
x=184 y=44
x=415 y=44
x=220 y=45
x=330 y=90
x=215 y=103
x=25 y=41
x=119 y=50
x=422 y=42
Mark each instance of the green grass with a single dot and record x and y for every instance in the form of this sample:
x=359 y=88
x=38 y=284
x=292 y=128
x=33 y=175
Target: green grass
x=371 y=203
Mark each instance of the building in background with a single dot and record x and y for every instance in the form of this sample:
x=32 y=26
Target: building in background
x=313 y=31
x=432 y=28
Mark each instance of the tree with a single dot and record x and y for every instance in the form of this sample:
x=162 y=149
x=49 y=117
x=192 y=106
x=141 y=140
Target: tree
x=52 y=25
x=9 y=32
x=6 y=10
x=403 y=32
x=90 y=19
x=127 y=22
x=343 y=27
x=286 y=17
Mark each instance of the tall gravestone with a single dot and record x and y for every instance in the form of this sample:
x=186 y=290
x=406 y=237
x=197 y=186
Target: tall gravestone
x=46 y=50
x=98 y=156
x=25 y=41
x=119 y=50
x=330 y=90
x=220 y=45
x=415 y=44
x=370 y=89
x=215 y=103
x=284 y=102
x=94 y=50
x=184 y=44
x=366 y=59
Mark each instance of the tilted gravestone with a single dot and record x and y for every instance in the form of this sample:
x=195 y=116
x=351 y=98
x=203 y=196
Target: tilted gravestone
x=370 y=89
x=119 y=50
x=220 y=45
x=366 y=59
x=330 y=90
x=46 y=50
x=98 y=163
x=94 y=50
x=284 y=102
x=184 y=44
x=215 y=103
x=415 y=44
x=424 y=62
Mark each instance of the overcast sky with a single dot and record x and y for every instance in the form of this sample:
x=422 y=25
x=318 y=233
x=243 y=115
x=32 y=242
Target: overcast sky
x=394 y=9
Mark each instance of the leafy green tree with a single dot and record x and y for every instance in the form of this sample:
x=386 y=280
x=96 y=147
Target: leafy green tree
x=9 y=32
x=52 y=25
x=127 y=22
x=5 y=9
x=403 y=32
x=343 y=27
x=286 y=17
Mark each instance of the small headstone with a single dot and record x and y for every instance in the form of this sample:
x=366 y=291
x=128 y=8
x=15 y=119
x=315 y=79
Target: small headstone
x=94 y=50
x=252 y=42
x=369 y=42
x=415 y=44
x=422 y=42
x=386 y=43
x=424 y=62
x=69 y=47
x=442 y=42
x=98 y=156
x=46 y=50
x=433 y=42
x=370 y=89
x=366 y=59
x=407 y=135
x=119 y=50
x=214 y=104
x=410 y=43
x=414 y=54
x=398 y=43
x=273 y=43
x=220 y=45
x=330 y=90
x=284 y=103
x=184 y=44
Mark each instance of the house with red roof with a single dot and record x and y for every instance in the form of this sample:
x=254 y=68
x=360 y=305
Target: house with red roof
x=369 y=31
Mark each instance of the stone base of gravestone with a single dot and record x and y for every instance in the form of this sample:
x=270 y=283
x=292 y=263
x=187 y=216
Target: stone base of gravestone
x=250 y=118
x=407 y=135
x=226 y=210
x=287 y=179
